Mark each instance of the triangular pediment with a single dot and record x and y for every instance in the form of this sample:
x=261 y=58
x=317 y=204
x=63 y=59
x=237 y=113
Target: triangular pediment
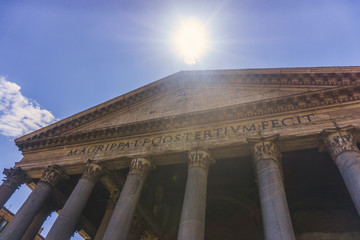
x=192 y=99
x=192 y=92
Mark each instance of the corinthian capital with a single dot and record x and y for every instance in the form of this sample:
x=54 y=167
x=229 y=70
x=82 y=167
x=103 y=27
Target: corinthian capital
x=112 y=200
x=200 y=158
x=92 y=171
x=14 y=177
x=339 y=140
x=141 y=166
x=265 y=148
x=52 y=175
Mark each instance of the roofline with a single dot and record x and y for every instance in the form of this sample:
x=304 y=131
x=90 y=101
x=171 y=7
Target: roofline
x=192 y=73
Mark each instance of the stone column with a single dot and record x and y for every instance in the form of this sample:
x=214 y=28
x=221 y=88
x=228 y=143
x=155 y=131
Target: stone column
x=14 y=178
x=65 y=223
x=192 y=223
x=107 y=216
x=341 y=144
x=120 y=222
x=22 y=219
x=37 y=222
x=274 y=207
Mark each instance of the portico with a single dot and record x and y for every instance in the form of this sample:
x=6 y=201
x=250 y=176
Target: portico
x=202 y=155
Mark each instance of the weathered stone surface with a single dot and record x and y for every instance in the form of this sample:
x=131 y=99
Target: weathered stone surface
x=23 y=218
x=120 y=222
x=14 y=178
x=274 y=207
x=64 y=226
x=215 y=110
x=192 y=222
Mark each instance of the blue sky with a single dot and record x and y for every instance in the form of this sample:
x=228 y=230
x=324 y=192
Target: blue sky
x=58 y=58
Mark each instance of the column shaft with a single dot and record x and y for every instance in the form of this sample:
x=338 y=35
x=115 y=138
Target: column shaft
x=120 y=222
x=341 y=144
x=37 y=222
x=22 y=219
x=107 y=216
x=274 y=208
x=6 y=192
x=349 y=166
x=192 y=222
x=14 y=178
x=65 y=223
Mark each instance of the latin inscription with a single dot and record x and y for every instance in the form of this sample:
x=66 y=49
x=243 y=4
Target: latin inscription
x=194 y=136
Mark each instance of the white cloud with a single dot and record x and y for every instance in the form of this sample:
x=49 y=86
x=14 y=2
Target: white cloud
x=18 y=114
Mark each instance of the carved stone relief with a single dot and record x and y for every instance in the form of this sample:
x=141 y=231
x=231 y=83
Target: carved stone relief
x=14 y=177
x=340 y=140
x=199 y=158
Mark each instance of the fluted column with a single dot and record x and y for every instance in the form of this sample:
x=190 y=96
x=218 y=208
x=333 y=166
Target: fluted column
x=107 y=216
x=192 y=222
x=37 y=222
x=14 y=178
x=341 y=144
x=22 y=219
x=65 y=223
x=274 y=207
x=120 y=222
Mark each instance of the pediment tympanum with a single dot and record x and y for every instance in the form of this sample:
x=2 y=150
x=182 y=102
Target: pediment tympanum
x=201 y=97
x=191 y=99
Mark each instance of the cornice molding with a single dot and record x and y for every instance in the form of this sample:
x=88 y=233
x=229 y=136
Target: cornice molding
x=304 y=101
x=319 y=76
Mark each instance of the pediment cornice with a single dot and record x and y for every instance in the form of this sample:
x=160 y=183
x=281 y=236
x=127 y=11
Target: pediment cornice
x=282 y=105
x=297 y=77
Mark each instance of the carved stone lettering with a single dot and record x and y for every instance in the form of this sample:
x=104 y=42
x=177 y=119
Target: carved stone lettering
x=192 y=136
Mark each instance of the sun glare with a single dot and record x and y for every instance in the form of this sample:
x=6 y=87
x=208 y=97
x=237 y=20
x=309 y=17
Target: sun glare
x=191 y=40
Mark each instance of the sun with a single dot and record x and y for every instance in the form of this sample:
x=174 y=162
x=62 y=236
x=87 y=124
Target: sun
x=191 y=40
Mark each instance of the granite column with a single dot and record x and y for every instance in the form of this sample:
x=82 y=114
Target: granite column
x=65 y=223
x=22 y=219
x=14 y=178
x=107 y=216
x=341 y=144
x=37 y=222
x=120 y=222
x=274 y=207
x=192 y=222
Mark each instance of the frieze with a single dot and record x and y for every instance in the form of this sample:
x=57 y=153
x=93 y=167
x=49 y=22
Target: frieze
x=214 y=133
x=14 y=177
x=237 y=112
x=273 y=78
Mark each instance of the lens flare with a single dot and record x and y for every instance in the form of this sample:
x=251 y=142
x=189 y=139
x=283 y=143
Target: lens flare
x=191 y=40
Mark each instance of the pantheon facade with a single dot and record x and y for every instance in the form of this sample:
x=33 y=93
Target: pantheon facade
x=226 y=154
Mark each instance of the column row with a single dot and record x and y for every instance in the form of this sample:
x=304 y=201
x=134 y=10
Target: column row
x=116 y=223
